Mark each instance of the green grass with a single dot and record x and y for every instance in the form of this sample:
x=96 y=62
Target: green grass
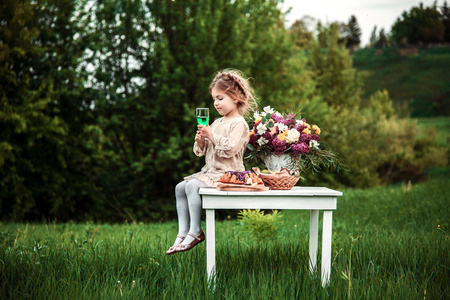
x=397 y=252
x=418 y=84
x=438 y=127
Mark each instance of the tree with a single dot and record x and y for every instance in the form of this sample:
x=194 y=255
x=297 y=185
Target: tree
x=419 y=25
x=382 y=41
x=336 y=79
x=354 y=38
x=177 y=47
x=43 y=158
x=350 y=33
x=376 y=146
x=301 y=33
x=373 y=37
x=445 y=18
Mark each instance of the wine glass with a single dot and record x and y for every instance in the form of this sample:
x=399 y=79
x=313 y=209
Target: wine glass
x=202 y=116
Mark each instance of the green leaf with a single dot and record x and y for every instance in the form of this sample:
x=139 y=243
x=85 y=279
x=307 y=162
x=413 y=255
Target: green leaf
x=264 y=120
x=270 y=124
x=268 y=116
x=250 y=147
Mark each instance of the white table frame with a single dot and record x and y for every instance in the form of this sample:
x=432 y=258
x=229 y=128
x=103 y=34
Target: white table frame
x=301 y=198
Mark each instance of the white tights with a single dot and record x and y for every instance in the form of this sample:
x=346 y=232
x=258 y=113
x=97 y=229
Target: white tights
x=189 y=207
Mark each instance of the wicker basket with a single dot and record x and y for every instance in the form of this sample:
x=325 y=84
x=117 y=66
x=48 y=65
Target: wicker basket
x=275 y=182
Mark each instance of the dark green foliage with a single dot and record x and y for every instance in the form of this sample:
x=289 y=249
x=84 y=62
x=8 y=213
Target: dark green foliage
x=107 y=91
x=382 y=41
x=421 y=25
x=350 y=33
x=177 y=46
x=97 y=100
x=445 y=18
x=42 y=111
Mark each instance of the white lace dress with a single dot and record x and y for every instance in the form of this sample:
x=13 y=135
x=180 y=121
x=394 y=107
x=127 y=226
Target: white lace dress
x=225 y=153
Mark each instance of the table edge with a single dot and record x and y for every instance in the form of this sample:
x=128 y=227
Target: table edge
x=295 y=192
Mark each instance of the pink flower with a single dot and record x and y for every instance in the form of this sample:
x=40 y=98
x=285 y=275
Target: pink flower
x=273 y=130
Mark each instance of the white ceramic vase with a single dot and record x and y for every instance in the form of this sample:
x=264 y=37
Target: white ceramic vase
x=277 y=162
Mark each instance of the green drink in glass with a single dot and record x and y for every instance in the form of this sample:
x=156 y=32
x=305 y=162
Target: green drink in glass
x=202 y=116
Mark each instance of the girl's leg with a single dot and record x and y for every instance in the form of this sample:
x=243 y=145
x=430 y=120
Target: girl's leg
x=182 y=210
x=195 y=207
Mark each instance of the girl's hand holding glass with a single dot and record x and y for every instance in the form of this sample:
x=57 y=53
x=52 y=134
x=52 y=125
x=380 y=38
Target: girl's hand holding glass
x=199 y=139
x=204 y=132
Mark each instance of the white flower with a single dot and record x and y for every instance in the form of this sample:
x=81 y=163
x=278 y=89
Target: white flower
x=262 y=141
x=300 y=122
x=268 y=110
x=281 y=127
x=256 y=115
x=261 y=128
x=292 y=136
x=314 y=143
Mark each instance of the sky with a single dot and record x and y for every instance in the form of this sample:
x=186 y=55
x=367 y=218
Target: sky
x=382 y=13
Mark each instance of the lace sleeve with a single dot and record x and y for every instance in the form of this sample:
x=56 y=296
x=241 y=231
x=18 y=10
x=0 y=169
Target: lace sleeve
x=199 y=151
x=234 y=143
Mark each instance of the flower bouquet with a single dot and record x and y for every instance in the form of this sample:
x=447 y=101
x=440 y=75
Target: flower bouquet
x=279 y=141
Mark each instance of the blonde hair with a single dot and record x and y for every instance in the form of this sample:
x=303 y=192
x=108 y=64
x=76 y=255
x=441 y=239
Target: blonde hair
x=233 y=83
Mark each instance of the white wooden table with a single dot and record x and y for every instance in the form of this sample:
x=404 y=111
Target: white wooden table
x=305 y=198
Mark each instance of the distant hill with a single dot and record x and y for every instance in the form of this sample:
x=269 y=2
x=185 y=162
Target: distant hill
x=418 y=80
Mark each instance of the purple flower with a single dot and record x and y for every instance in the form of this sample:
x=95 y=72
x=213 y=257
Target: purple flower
x=289 y=121
x=279 y=146
x=300 y=148
x=300 y=127
x=305 y=138
x=315 y=137
x=268 y=137
x=252 y=140
x=277 y=118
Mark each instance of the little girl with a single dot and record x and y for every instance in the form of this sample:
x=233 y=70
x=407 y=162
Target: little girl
x=223 y=145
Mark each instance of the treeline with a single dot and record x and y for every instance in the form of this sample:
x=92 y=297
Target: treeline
x=98 y=98
x=419 y=26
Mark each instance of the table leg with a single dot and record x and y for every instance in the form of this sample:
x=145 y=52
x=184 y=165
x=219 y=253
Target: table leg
x=326 y=246
x=313 y=239
x=210 y=244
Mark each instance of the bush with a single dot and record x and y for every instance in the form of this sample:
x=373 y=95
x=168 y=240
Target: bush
x=259 y=225
x=375 y=144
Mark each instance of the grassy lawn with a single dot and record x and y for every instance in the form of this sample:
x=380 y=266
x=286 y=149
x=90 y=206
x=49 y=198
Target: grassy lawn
x=439 y=127
x=420 y=83
x=388 y=243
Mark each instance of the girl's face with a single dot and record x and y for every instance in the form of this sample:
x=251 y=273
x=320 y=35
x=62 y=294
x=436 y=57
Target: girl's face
x=224 y=104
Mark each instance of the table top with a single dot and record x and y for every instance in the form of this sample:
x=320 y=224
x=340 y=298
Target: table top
x=295 y=191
